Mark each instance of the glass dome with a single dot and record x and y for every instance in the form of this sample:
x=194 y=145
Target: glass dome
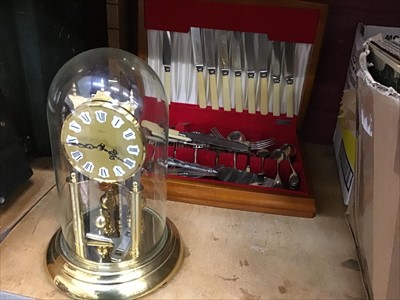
x=108 y=122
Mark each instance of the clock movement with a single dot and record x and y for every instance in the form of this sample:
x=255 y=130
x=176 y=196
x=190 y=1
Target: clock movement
x=115 y=240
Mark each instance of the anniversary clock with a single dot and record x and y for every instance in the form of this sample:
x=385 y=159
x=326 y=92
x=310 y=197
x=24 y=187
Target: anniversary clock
x=115 y=240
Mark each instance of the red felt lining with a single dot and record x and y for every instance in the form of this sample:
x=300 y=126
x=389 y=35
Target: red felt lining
x=280 y=23
x=188 y=118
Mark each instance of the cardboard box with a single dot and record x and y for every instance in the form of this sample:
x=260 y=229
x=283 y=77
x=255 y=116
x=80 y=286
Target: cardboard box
x=375 y=211
x=344 y=139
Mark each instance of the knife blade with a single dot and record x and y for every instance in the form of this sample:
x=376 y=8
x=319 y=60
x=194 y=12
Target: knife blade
x=209 y=52
x=263 y=64
x=199 y=64
x=224 y=66
x=166 y=61
x=288 y=74
x=276 y=77
x=250 y=69
x=216 y=142
x=236 y=63
x=157 y=131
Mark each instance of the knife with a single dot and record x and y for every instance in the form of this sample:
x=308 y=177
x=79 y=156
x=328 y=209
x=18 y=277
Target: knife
x=209 y=51
x=250 y=69
x=185 y=137
x=166 y=61
x=288 y=73
x=199 y=64
x=226 y=174
x=224 y=66
x=236 y=63
x=276 y=77
x=263 y=64
x=216 y=142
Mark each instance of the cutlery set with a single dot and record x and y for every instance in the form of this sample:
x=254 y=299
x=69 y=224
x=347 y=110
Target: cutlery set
x=222 y=161
x=233 y=66
x=231 y=70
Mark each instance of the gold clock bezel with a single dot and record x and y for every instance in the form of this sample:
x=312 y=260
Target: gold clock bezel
x=103 y=132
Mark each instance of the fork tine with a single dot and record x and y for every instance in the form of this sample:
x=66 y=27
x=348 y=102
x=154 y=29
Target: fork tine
x=266 y=141
x=216 y=133
x=262 y=144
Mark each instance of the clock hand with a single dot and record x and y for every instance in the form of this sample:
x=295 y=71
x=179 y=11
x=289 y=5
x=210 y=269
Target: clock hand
x=112 y=154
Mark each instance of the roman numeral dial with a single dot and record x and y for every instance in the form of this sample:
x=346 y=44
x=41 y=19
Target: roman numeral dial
x=103 y=141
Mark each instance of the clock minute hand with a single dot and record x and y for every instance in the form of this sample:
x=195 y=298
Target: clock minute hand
x=88 y=146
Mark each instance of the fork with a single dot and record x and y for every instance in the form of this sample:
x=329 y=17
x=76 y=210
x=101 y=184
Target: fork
x=256 y=145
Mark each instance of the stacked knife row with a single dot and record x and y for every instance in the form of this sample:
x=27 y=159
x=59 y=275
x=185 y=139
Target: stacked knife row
x=230 y=70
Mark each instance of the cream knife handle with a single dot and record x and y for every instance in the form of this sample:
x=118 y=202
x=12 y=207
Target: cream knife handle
x=251 y=94
x=238 y=93
x=264 y=93
x=213 y=90
x=167 y=84
x=276 y=105
x=289 y=100
x=225 y=91
x=158 y=131
x=201 y=89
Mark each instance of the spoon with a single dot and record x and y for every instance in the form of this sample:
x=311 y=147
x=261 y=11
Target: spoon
x=263 y=153
x=290 y=151
x=238 y=136
x=278 y=155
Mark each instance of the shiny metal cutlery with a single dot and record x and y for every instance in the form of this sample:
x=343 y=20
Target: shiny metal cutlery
x=276 y=77
x=294 y=179
x=210 y=57
x=224 y=66
x=226 y=174
x=188 y=137
x=251 y=71
x=288 y=74
x=236 y=65
x=263 y=65
x=199 y=64
x=166 y=61
x=278 y=155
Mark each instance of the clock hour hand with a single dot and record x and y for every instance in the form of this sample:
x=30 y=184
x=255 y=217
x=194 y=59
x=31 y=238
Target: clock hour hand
x=112 y=154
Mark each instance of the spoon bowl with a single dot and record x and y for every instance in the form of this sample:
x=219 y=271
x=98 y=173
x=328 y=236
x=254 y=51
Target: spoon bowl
x=294 y=179
x=278 y=155
x=236 y=136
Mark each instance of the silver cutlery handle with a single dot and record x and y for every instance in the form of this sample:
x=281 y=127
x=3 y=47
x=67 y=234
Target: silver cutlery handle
x=173 y=162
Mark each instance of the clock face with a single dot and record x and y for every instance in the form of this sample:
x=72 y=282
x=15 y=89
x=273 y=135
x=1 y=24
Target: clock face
x=103 y=141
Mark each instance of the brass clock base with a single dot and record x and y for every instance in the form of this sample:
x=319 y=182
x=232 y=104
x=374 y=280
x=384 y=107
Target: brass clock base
x=83 y=279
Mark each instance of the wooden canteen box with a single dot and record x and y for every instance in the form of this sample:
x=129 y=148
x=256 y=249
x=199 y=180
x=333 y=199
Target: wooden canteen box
x=267 y=83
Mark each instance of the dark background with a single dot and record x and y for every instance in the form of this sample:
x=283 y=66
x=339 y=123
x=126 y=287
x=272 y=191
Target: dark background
x=343 y=17
x=38 y=36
